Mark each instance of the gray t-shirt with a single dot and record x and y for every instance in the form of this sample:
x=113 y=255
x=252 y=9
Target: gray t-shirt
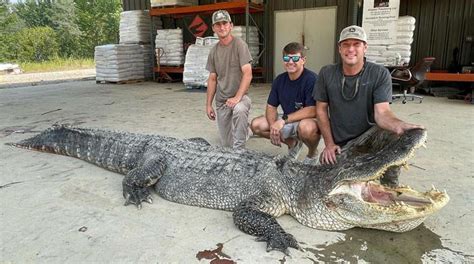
x=351 y=113
x=226 y=62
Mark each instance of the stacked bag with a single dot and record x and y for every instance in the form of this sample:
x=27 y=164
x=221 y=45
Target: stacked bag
x=253 y=41
x=132 y=58
x=169 y=47
x=398 y=53
x=119 y=62
x=406 y=28
x=134 y=27
x=195 y=74
x=146 y=51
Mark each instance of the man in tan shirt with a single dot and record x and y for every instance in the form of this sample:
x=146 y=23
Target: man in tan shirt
x=229 y=80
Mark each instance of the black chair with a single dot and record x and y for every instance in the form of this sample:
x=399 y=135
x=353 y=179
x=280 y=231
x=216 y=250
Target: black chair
x=409 y=79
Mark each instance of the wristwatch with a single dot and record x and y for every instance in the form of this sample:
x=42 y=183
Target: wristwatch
x=285 y=118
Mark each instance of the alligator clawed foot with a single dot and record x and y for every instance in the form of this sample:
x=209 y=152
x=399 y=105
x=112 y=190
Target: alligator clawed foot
x=279 y=241
x=136 y=195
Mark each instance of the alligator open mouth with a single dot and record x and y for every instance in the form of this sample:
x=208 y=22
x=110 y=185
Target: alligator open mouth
x=377 y=194
x=360 y=199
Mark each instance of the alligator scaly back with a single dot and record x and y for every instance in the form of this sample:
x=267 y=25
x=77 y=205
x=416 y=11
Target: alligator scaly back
x=114 y=151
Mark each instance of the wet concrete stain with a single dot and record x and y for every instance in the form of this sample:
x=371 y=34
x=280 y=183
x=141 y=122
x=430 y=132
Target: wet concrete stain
x=374 y=246
x=216 y=255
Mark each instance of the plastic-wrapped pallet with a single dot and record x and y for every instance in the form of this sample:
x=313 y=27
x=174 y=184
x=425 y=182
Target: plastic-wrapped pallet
x=406 y=27
x=119 y=62
x=195 y=73
x=398 y=53
x=155 y=3
x=375 y=54
x=169 y=47
x=147 y=61
x=253 y=43
x=135 y=27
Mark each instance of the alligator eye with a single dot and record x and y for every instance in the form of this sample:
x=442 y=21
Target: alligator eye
x=330 y=204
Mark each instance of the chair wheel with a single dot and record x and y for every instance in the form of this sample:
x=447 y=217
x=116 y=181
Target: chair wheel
x=404 y=101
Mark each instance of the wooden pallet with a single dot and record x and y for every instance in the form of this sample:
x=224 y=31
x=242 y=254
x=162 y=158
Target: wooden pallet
x=120 y=82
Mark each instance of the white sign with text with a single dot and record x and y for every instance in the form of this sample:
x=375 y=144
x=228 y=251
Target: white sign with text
x=379 y=19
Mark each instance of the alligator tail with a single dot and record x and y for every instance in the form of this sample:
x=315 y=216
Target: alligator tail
x=114 y=151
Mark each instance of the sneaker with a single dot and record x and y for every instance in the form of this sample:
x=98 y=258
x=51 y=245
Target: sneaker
x=250 y=134
x=294 y=151
x=310 y=161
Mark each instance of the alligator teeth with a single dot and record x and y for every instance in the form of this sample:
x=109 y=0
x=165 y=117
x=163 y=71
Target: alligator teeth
x=424 y=145
x=402 y=203
x=444 y=192
x=405 y=166
x=433 y=188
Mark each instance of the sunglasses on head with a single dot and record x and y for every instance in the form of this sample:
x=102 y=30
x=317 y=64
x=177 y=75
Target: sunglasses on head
x=295 y=58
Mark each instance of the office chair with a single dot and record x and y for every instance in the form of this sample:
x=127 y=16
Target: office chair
x=409 y=79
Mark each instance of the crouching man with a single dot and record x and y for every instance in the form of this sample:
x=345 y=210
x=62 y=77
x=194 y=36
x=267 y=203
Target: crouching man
x=292 y=90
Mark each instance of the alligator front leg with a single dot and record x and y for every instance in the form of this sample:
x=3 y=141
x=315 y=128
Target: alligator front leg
x=251 y=220
x=138 y=180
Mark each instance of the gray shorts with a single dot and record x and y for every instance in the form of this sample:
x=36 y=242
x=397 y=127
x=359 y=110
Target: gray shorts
x=290 y=130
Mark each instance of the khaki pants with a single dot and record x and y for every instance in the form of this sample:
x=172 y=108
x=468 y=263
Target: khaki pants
x=233 y=123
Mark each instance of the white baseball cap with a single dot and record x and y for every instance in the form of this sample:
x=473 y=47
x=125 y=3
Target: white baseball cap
x=353 y=32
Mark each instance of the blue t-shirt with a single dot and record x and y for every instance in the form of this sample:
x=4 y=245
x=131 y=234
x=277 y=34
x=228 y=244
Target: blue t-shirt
x=293 y=95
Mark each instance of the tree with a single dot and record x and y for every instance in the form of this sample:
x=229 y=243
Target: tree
x=78 y=26
x=10 y=23
x=58 y=15
x=36 y=44
x=99 y=23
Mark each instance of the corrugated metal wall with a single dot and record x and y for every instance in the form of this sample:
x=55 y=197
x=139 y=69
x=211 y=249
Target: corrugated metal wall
x=135 y=5
x=442 y=25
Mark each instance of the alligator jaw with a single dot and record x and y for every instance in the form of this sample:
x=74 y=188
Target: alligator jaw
x=369 y=204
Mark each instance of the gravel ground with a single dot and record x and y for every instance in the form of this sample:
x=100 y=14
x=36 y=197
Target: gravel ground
x=32 y=79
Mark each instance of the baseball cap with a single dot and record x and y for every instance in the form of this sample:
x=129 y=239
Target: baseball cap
x=220 y=15
x=353 y=32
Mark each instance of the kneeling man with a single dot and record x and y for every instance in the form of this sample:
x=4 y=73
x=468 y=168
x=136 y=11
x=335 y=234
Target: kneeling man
x=293 y=91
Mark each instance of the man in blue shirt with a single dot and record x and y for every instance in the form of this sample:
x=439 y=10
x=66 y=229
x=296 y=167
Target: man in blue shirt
x=292 y=90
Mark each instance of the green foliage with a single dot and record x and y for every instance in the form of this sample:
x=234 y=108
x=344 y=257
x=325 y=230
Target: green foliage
x=99 y=23
x=77 y=27
x=10 y=23
x=36 y=44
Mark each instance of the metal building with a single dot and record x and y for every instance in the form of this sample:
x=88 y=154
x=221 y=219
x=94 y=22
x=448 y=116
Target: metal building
x=441 y=26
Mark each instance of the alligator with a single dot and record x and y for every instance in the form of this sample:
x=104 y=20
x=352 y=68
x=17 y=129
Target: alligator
x=255 y=186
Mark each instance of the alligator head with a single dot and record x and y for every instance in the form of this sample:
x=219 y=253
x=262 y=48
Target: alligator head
x=355 y=197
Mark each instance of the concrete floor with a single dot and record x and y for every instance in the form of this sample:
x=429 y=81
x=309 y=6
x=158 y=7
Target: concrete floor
x=57 y=209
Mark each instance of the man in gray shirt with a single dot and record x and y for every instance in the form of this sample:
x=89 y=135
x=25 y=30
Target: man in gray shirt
x=353 y=96
x=229 y=81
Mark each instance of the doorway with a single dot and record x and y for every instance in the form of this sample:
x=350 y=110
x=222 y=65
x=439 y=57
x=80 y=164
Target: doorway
x=314 y=27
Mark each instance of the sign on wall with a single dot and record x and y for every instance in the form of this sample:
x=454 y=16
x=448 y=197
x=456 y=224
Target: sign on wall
x=379 y=19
